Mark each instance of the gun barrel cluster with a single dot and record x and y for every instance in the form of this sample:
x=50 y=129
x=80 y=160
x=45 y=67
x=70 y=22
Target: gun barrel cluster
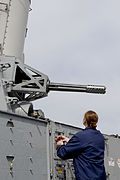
x=77 y=88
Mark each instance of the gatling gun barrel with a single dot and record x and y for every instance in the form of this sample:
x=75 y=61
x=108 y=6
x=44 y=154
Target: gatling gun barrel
x=77 y=88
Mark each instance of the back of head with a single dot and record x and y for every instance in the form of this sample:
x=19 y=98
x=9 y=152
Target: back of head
x=91 y=118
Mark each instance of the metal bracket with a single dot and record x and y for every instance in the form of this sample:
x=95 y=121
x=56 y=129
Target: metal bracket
x=7 y=84
x=29 y=82
x=11 y=100
x=22 y=81
x=4 y=66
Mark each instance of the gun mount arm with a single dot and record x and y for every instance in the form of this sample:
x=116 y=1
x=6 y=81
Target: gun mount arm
x=77 y=88
x=28 y=84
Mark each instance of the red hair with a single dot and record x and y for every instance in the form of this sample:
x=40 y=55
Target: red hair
x=91 y=118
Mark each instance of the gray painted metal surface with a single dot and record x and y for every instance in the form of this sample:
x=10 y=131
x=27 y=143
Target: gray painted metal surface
x=24 y=150
x=28 y=150
x=13 y=22
x=112 y=157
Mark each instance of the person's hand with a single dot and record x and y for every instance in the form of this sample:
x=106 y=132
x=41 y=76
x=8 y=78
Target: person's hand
x=62 y=138
x=59 y=143
x=66 y=139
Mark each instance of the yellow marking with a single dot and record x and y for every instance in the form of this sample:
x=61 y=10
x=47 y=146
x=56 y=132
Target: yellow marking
x=60 y=171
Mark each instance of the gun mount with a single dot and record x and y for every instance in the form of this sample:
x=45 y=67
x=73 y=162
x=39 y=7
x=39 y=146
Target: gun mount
x=28 y=84
x=20 y=83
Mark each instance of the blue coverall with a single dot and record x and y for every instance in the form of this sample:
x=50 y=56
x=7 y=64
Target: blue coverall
x=86 y=148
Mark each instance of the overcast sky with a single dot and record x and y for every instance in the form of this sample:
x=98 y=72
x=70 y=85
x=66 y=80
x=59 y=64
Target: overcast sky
x=76 y=41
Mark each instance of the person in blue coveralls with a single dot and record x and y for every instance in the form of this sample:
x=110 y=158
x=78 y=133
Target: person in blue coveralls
x=86 y=148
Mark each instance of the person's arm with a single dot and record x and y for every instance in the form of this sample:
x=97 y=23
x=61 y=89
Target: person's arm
x=70 y=150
